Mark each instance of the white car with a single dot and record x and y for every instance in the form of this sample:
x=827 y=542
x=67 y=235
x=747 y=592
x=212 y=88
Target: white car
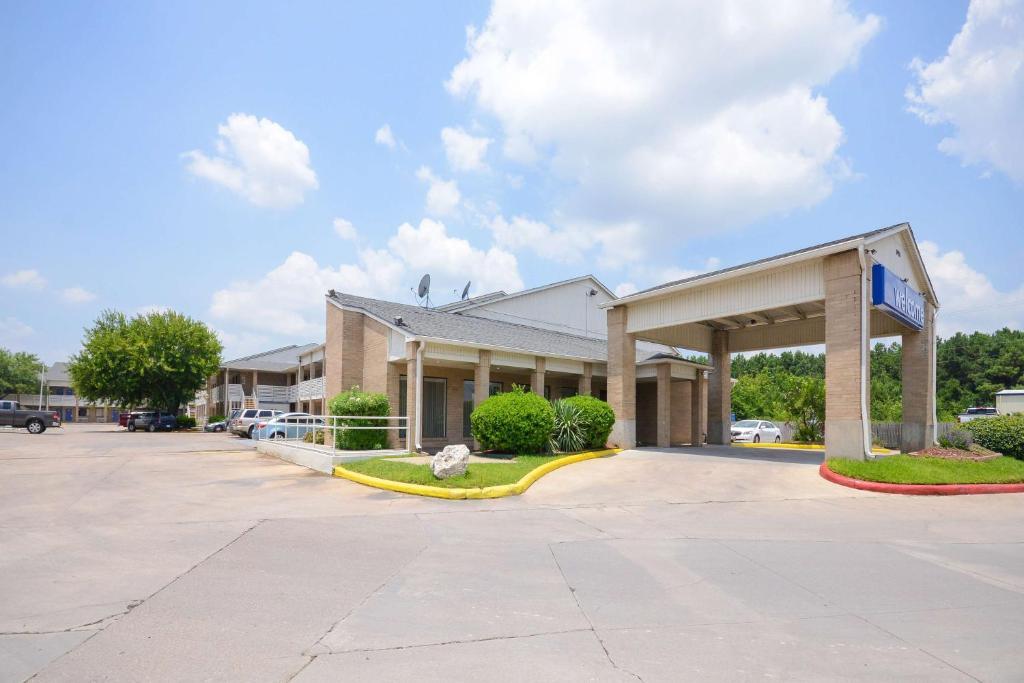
x=756 y=431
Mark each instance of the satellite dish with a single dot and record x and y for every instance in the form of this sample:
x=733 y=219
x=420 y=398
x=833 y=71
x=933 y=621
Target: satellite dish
x=465 y=290
x=423 y=291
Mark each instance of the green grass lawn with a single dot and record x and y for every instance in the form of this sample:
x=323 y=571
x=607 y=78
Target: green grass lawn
x=904 y=469
x=478 y=474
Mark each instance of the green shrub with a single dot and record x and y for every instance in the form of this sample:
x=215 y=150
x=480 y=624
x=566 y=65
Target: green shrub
x=314 y=437
x=597 y=417
x=569 y=434
x=1002 y=434
x=957 y=438
x=514 y=422
x=186 y=422
x=356 y=402
x=215 y=418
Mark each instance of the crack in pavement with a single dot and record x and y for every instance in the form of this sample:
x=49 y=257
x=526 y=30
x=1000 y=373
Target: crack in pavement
x=583 y=612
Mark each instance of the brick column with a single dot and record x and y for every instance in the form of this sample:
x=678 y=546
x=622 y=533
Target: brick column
x=393 y=384
x=411 y=376
x=621 y=378
x=698 y=410
x=845 y=349
x=918 y=371
x=225 y=403
x=481 y=381
x=537 y=377
x=664 y=405
x=255 y=394
x=586 y=380
x=720 y=389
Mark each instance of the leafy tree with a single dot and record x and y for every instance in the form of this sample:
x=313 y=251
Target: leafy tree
x=159 y=359
x=805 y=407
x=19 y=372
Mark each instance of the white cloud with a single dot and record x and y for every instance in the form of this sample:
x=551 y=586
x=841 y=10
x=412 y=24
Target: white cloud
x=385 y=137
x=566 y=245
x=978 y=88
x=76 y=295
x=258 y=159
x=464 y=151
x=345 y=229
x=626 y=288
x=289 y=300
x=152 y=308
x=24 y=278
x=670 y=118
x=969 y=301
x=443 y=196
x=13 y=330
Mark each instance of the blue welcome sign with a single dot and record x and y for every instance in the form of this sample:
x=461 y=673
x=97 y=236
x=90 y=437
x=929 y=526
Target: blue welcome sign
x=891 y=294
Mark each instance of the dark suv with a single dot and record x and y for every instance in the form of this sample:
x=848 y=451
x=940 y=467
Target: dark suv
x=152 y=421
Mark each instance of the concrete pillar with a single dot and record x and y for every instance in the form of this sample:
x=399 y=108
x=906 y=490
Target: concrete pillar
x=481 y=382
x=720 y=389
x=698 y=411
x=664 y=405
x=918 y=371
x=255 y=394
x=586 y=380
x=621 y=378
x=411 y=378
x=226 y=404
x=846 y=351
x=537 y=377
x=394 y=378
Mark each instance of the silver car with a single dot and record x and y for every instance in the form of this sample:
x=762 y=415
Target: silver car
x=245 y=422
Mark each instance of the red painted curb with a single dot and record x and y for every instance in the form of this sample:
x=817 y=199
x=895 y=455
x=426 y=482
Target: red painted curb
x=917 y=489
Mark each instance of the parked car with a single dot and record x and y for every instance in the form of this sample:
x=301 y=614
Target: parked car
x=976 y=413
x=216 y=426
x=287 y=426
x=245 y=422
x=35 y=421
x=756 y=431
x=151 y=421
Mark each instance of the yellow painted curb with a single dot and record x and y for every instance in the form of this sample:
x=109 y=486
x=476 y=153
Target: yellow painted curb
x=475 y=493
x=801 y=447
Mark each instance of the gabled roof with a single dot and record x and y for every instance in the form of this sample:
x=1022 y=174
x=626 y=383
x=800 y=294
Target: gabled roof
x=472 y=301
x=790 y=256
x=275 y=360
x=471 y=330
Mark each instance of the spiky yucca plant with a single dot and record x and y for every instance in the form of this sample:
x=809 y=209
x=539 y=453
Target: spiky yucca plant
x=569 y=434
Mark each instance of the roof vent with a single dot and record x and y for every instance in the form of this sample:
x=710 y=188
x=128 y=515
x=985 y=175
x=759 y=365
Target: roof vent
x=398 y=321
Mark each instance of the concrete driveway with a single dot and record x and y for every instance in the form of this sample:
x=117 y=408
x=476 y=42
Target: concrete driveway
x=189 y=556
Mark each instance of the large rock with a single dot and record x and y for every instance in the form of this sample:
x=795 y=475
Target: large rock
x=451 y=461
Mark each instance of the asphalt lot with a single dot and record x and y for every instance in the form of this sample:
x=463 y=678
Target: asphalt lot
x=192 y=557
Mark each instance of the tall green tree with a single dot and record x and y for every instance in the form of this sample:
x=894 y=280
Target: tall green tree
x=19 y=372
x=158 y=359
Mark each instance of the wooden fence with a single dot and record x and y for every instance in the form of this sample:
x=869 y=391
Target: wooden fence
x=888 y=434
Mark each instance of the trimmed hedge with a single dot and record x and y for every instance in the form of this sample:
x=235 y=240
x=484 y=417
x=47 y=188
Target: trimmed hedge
x=514 y=422
x=356 y=402
x=215 y=418
x=1002 y=434
x=186 y=422
x=597 y=417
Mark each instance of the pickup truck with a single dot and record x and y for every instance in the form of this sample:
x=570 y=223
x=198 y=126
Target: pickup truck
x=35 y=421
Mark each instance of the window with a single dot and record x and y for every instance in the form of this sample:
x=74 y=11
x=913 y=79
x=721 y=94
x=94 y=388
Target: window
x=435 y=406
x=266 y=413
x=5 y=405
x=468 y=396
x=603 y=395
x=249 y=413
x=547 y=392
x=566 y=392
x=83 y=412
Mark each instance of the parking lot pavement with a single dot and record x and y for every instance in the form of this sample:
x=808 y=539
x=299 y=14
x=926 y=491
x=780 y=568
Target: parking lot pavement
x=192 y=556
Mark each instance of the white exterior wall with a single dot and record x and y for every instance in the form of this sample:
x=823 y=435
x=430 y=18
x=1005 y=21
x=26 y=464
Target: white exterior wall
x=565 y=308
x=894 y=253
x=1010 y=403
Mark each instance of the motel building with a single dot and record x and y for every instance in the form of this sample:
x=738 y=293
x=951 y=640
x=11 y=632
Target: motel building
x=435 y=364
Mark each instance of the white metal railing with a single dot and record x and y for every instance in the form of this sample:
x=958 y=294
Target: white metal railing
x=293 y=430
x=311 y=388
x=235 y=392
x=268 y=393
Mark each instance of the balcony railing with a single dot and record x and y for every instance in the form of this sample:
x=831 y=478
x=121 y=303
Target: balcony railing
x=311 y=389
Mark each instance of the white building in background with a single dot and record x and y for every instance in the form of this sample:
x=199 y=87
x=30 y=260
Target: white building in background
x=59 y=395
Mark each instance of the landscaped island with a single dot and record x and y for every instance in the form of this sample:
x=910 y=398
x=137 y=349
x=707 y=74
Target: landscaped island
x=478 y=474
x=908 y=469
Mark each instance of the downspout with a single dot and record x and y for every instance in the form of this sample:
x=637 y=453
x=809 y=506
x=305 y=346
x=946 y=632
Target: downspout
x=419 y=395
x=865 y=354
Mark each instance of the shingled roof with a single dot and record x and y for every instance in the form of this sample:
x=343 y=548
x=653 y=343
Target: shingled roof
x=469 y=329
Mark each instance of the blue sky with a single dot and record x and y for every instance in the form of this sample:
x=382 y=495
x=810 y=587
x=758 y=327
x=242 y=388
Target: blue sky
x=227 y=160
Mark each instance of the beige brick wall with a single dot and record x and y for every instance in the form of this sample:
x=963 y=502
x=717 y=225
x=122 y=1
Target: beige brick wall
x=622 y=378
x=332 y=350
x=719 y=389
x=918 y=373
x=375 y=356
x=843 y=356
